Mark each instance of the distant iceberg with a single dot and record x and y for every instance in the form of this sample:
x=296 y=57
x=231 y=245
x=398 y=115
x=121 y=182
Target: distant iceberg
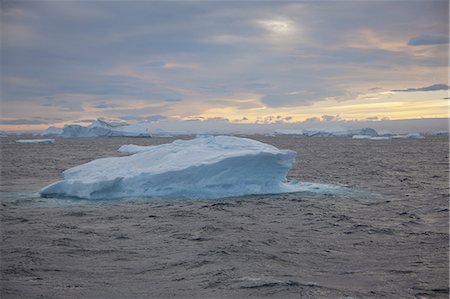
x=361 y=137
x=204 y=167
x=162 y=133
x=441 y=133
x=371 y=138
x=329 y=132
x=390 y=136
x=101 y=128
x=44 y=141
x=52 y=131
x=409 y=136
x=381 y=138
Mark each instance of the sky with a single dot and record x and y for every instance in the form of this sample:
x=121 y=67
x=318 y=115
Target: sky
x=236 y=62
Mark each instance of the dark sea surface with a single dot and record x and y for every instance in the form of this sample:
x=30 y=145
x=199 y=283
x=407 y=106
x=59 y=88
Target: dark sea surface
x=384 y=236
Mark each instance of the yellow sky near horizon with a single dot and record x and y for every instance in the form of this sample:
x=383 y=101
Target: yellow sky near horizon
x=373 y=106
x=383 y=105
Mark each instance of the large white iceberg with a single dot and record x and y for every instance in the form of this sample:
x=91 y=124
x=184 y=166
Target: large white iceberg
x=106 y=128
x=133 y=148
x=204 y=167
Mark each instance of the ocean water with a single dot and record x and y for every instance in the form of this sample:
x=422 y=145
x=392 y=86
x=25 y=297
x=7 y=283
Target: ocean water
x=377 y=228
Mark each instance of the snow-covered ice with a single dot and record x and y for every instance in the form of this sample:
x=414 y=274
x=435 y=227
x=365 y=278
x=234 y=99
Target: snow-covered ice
x=409 y=136
x=133 y=149
x=371 y=138
x=361 y=137
x=204 y=167
x=441 y=133
x=52 y=130
x=45 y=141
x=289 y=132
x=381 y=138
x=106 y=128
x=158 y=132
x=340 y=131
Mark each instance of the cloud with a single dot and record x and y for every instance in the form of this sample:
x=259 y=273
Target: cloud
x=372 y=118
x=131 y=117
x=302 y=97
x=105 y=105
x=193 y=54
x=173 y=100
x=155 y=118
x=428 y=39
x=23 y=122
x=433 y=87
x=330 y=118
x=84 y=121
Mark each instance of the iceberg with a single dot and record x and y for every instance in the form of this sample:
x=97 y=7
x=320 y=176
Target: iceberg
x=289 y=132
x=162 y=133
x=409 y=136
x=44 y=141
x=204 y=167
x=52 y=131
x=371 y=138
x=329 y=132
x=390 y=136
x=361 y=137
x=441 y=133
x=106 y=128
x=381 y=138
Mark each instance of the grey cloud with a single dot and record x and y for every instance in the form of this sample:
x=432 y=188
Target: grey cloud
x=428 y=39
x=114 y=52
x=156 y=117
x=84 y=121
x=23 y=122
x=174 y=100
x=105 y=105
x=312 y=120
x=302 y=97
x=138 y=112
x=426 y=88
x=281 y=100
x=131 y=117
x=330 y=118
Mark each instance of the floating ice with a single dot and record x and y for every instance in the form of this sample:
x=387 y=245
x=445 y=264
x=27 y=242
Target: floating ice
x=52 y=131
x=103 y=128
x=45 y=141
x=204 y=167
x=158 y=132
x=133 y=149
x=441 y=133
x=361 y=137
x=329 y=132
x=381 y=138
x=371 y=138
x=409 y=136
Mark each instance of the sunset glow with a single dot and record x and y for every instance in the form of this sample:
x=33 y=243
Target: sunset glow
x=71 y=62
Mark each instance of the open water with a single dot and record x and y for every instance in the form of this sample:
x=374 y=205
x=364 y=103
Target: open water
x=383 y=235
